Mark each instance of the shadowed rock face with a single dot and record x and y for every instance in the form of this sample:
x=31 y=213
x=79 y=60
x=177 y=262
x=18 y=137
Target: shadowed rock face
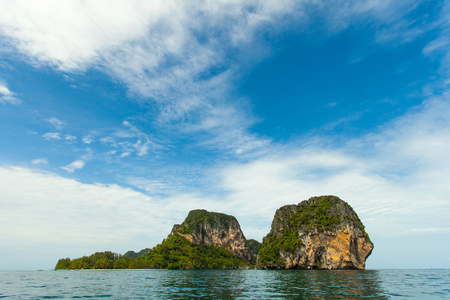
x=254 y=247
x=320 y=233
x=214 y=229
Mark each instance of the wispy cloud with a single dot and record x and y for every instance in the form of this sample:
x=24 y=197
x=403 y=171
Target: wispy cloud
x=75 y=165
x=392 y=178
x=6 y=96
x=359 y=172
x=45 y=209
x=40 y=161
x=52 y=136
x=108 y=140
x=70 y=138
x=58 y=124
x=159 y=50
x=440 y=47
x=125 y=154
x=144 y=141
x=428 y=230
x=87 y=139
x=84 y=29
x=153 y=187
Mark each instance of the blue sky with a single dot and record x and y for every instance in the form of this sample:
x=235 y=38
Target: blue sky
x=117 y=119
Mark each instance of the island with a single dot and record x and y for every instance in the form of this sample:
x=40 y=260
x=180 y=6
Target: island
x=320 y=233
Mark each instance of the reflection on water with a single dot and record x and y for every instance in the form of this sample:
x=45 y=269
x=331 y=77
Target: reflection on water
x=226 y=284
x=299 y=284
x=320 y=284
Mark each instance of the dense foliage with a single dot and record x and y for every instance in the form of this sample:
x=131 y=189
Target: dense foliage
x=142 y=253
x=254 y=247
x=316 y=215
x=273 y=245
x=196 y=218
x=103 y=260
x=178 y=253
x=173 y=253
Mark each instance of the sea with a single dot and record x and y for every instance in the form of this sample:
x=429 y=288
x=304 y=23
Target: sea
x=226 y=284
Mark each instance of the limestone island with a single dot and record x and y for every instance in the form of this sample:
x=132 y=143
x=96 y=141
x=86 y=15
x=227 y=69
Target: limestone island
x=320 y=233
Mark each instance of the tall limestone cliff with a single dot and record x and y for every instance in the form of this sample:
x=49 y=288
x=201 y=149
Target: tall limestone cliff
x=214 y=229
x=319 y=233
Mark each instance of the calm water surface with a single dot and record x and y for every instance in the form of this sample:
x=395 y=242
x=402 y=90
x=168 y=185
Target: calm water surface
x=226 y=284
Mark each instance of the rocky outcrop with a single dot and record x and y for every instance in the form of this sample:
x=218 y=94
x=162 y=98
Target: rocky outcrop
x=319 y=233
x=142 y=253
x=214 y=229
x=254 y=246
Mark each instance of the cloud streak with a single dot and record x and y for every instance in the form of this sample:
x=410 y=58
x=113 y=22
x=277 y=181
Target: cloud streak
x=40 y=161
x=6 y=96
x=63 y=217
x=58 y=124
x=75 y=165
x=180 y=55
x=392 y=178
x=52 y=136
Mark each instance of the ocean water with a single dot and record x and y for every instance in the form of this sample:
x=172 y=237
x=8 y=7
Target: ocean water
x=226 y=284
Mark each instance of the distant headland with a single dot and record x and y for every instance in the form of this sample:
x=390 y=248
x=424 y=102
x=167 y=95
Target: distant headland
x=320 y=233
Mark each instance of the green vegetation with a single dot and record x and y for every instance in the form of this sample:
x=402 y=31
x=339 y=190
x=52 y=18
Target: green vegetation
x=196 y=218
x=317 y=215
x=178 y=253
x=103 y=260
x=254 y=247
x=314 y=214
x=173 y=253
x=273 y=244
x=142 y=253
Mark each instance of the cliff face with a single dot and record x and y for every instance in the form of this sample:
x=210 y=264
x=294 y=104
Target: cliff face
x=254 y=247
x=213 y=229
x=320 y=233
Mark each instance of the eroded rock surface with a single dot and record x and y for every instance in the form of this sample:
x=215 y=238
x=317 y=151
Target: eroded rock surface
x=214 y=229
x=319 y=233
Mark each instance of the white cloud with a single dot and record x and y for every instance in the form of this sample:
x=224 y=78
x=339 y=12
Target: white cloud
x=56 y=122
x=151 y=186
x=6 y=96
x=144 y=141
x=40 y=161
x=396 y=179
x=62 y=217
x=125 y=154
x=159 y=49
x=52 y=136
x=87 y=140
x=429 y=230
x=127 y=140
x=4 y=91
x=142 y=147
x=70 y=138
x=72 y=34
x=75 y=165
x=108 y=140
x=124 y=134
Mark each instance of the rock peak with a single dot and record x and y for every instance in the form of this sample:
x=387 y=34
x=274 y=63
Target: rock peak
x=213 y=229
x=319 y=233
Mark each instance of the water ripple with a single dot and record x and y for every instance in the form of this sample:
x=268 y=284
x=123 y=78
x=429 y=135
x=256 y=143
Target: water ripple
x=226 y=284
